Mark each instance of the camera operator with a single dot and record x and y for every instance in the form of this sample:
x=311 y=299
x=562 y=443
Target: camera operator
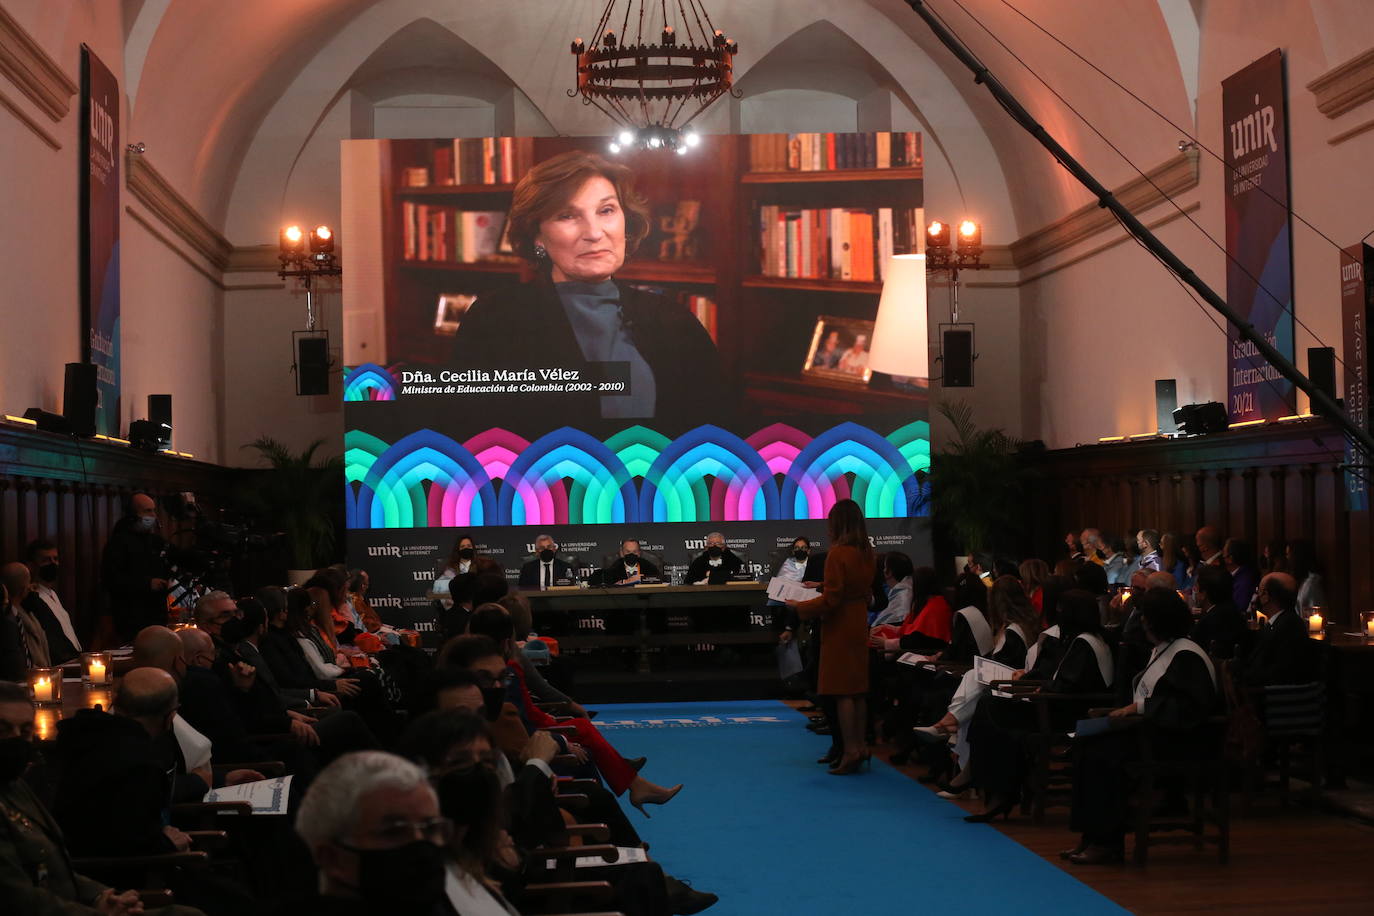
x=135 y=571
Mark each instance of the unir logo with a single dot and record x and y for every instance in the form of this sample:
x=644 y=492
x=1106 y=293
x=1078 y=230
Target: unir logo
x=383 y=550
x=384 y=601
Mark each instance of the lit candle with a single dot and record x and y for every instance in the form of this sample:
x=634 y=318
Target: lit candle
x=97 y=671
x=1369 y=628
x=1315 y=623
x=42 y=690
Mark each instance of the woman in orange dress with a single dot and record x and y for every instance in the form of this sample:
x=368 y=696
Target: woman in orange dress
x=843 y=610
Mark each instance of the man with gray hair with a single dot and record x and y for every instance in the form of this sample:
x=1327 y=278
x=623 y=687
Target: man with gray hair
x=546 y=569
x=212 y=612
x=716 y=564
x=372 y=824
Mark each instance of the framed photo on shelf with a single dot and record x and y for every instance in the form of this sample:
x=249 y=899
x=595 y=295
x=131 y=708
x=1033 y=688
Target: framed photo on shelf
x=452 y=307
x=839 y=350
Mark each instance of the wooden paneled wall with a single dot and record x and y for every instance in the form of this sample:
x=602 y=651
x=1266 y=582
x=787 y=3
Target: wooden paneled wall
x=1276 y=482
x=72 y=492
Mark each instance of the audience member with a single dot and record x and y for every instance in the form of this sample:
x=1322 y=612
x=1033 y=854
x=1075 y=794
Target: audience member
x=1209 y=546
x=1172 y=559
x=1306 y=570
x=372 y=823
x=1033 y=573
x=45 y=605
x=33 y=642
x=1175 y=693
x=1221 y=626
x=36 y=874
x=1280 y=653
x=1092 y=546
x=1239 y=558
x=897 y=572
x=1147 y=540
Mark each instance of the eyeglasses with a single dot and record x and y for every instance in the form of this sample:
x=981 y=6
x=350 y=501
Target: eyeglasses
x=487 y=679
x=398 y=832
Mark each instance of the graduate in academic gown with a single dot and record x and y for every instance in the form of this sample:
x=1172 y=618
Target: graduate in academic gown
x=1175 y=693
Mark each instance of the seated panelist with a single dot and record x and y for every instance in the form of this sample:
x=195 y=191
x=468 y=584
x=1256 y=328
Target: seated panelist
x=716 y=564
x=546 y=569
x=629 y=567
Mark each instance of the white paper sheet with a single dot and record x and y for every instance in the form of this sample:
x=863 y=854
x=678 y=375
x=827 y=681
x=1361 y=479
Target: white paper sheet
x=267 y=796
x=628 y=855
x=912 y=659
x=987 y=670
x=788 y=590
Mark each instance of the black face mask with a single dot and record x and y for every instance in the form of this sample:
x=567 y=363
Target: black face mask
x=48 y=572
x=799 y=554
x=466 y=553
x=715 y=551
x=632 y=558
x=15 y=756
x=546 y=554
x=493 y=698
x=468 y=797
x=406 y=879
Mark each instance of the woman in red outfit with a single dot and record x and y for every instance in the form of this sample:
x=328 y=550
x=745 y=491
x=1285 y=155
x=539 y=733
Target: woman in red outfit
x=493 y=621
x=843 y=610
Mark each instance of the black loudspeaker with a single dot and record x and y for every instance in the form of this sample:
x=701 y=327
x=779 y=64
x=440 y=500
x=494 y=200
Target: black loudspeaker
x=957 y=350
x=312 y=362
x=79 y=398
x=1321 y=369
x=1200 y=419
x=160 y=409
x=1166 y=402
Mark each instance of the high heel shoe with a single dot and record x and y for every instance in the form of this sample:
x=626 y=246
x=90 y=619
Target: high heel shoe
x=832 y=758
x=931 y=734
x=1002 y=810
x=663 y=799
x=853 y=765
x=637 y=763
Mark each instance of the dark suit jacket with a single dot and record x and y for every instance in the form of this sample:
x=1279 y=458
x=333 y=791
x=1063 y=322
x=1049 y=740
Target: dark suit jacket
x=290 y=669
x=132 y=558
x=1280 y=655
x=13 y=663
x=60 y=648
x=115 y=807
x=616 y=571
x=701 y=568
x=525 y=327
x=1219 y=630
x=529 y=573
x=291 y=697
x=208 y=707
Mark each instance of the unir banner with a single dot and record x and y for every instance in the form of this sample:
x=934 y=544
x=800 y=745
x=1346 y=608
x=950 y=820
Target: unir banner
x=100 y=234
x=1259 y=267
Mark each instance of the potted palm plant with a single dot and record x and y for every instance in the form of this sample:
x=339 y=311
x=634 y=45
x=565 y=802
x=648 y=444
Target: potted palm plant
x=977 y=484
x=299 y=497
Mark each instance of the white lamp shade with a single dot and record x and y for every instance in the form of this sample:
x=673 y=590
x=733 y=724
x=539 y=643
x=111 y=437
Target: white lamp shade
x=901 y=338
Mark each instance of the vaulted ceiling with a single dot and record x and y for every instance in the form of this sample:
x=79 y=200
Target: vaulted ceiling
x=204 y=77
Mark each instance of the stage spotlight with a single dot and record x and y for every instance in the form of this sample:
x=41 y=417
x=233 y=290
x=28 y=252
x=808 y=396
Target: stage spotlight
x=321 y=240
x=292 y=241
x=626 y=137
x=970 y=243
x=937 y=236
x=614 y=148
x=692 y=138
x=1200 y=419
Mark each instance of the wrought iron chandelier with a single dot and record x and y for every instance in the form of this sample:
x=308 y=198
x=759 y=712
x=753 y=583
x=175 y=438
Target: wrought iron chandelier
x=647 y=86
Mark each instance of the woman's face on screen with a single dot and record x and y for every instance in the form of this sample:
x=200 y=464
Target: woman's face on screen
x=586 y=238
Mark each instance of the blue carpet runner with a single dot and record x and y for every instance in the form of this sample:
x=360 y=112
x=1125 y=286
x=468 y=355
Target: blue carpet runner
x=766 y=828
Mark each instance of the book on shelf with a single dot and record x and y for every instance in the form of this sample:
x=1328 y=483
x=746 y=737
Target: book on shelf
x=813 y=152
x=473 y=161
x=703 y=308
x=438 y=233
x=838 y=243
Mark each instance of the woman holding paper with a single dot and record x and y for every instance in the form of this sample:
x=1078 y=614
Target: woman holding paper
x=842 y=608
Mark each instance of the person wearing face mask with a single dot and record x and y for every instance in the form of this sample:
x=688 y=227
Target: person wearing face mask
x=630 y=567
x=575 y=218
x=372 y=823
x=134 y=569
x=716 y=564
x=45 y=605
x=36 y=874
x=546 y=569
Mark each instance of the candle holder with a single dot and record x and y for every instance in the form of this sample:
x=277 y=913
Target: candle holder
x=1316 y=622
x=1367 y=624
x=96 y=669
x=100 y=698
x=46 y=686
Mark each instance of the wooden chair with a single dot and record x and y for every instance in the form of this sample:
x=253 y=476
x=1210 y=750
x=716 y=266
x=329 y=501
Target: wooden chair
x=1294 y=720
x=565 y=897
x=1207 y=792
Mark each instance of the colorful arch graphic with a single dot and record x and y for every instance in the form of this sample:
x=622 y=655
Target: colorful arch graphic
x=369 y=382
x=568 y=477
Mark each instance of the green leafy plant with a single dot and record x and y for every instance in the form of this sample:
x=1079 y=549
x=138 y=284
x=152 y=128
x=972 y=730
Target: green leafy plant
x=977 y=483
x=299 y=497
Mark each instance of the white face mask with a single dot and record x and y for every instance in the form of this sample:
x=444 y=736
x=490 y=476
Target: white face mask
x=147 y=522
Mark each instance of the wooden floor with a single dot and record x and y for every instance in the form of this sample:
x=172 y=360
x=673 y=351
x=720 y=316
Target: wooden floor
x=1290 y=861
